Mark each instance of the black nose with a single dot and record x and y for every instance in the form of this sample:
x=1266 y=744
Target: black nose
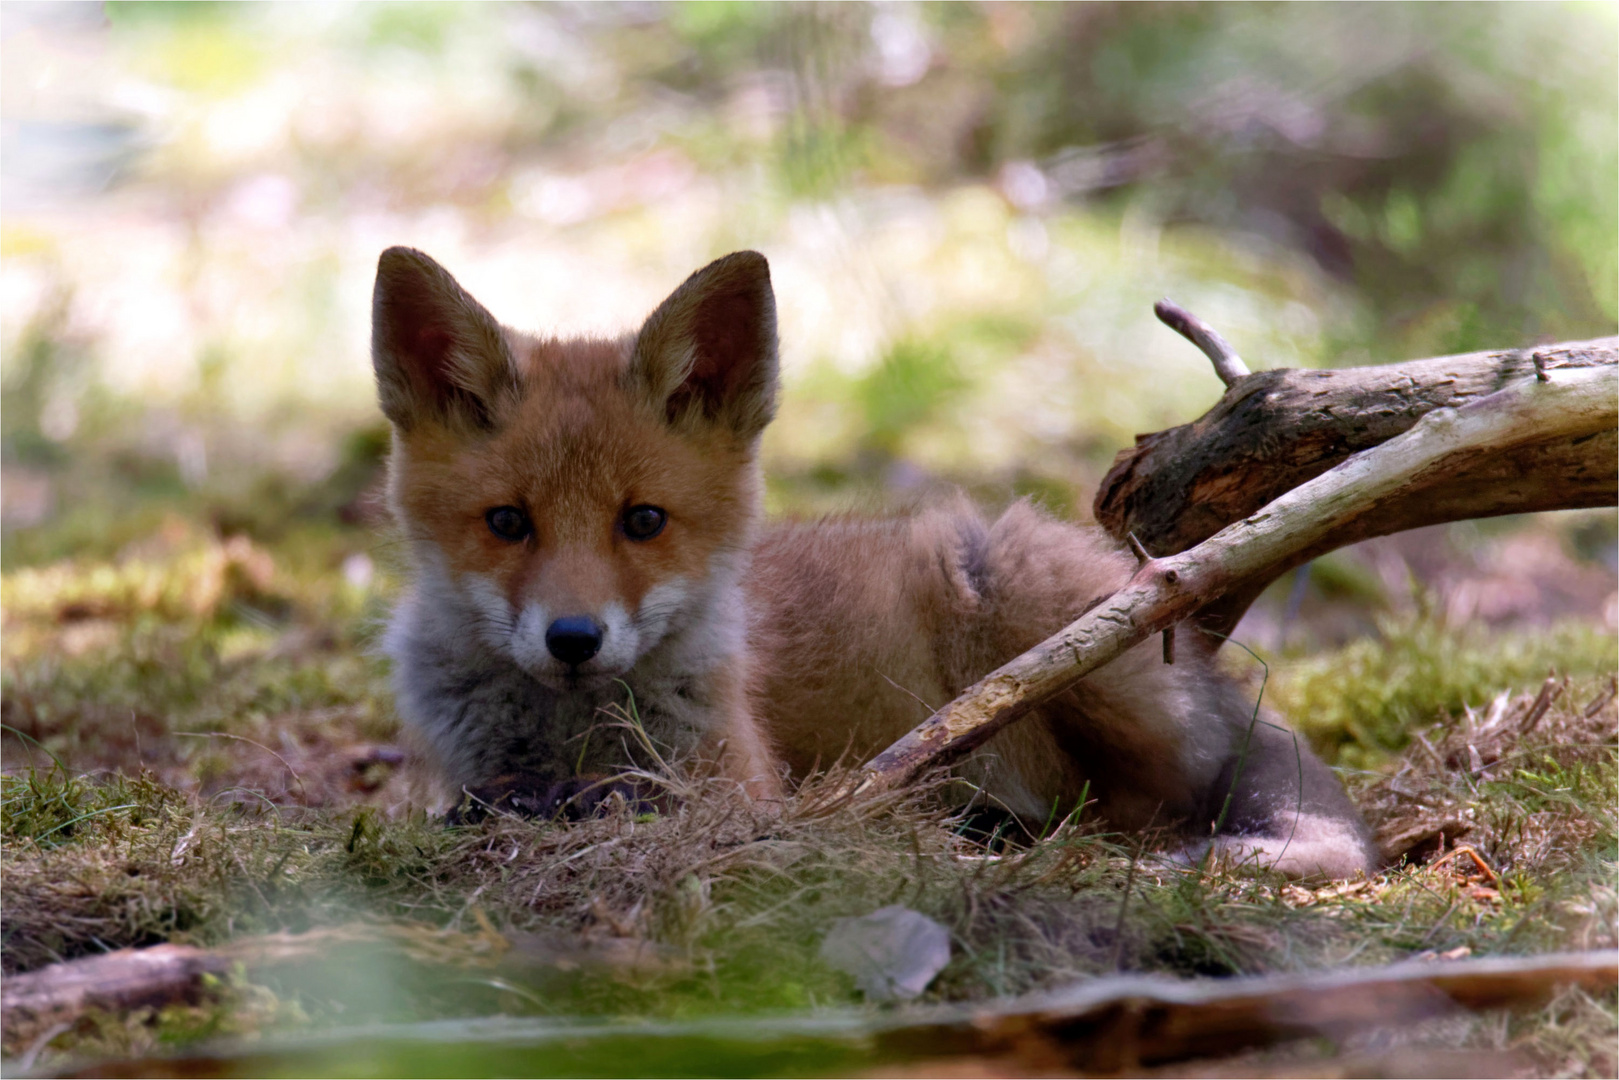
x=573 y=639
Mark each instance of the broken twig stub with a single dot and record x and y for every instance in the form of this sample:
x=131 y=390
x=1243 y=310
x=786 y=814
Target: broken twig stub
x=1227 y=364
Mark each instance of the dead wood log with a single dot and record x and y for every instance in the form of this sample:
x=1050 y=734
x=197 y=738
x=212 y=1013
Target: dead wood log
x=119 y=981
x=1273 y=430
x=1575 y=404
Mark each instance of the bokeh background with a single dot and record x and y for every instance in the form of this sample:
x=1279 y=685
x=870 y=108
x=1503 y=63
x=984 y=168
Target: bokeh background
x=969 y=210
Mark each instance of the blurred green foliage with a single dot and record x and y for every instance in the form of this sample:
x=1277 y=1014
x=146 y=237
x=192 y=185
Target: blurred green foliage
x=911 y=384
x=987 y=197
x=1455 y=164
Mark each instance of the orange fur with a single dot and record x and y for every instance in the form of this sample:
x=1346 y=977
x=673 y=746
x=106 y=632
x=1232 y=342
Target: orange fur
x=769 y=651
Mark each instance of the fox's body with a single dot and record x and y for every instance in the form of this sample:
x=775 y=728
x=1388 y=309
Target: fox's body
x=584 y=517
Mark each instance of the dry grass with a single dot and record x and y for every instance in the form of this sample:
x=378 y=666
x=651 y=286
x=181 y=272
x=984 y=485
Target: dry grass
x=717 y=905
x=274 y=799
x=1525 y=780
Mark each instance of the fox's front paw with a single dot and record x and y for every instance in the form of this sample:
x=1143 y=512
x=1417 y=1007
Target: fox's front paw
x=587 y=796
x=522 y=794
x=531 y=796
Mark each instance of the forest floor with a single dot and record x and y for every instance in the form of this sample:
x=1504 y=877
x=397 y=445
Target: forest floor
x=200 y=748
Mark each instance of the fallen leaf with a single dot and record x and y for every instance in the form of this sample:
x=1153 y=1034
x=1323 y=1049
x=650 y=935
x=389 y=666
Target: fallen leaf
x=893 y=953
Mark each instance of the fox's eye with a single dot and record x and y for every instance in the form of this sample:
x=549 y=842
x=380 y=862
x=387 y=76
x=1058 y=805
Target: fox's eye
x=509 y=523
x=643 y=522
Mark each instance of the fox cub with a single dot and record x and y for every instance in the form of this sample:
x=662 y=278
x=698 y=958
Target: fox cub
x=583 y=518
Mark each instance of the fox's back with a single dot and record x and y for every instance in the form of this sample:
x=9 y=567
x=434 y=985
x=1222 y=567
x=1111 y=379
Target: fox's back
x=859 y=629
x=845 y=622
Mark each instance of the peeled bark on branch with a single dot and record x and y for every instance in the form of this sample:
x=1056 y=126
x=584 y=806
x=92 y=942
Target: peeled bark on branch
x=1227 y=364
x=1575 y=406
x=1273 y=430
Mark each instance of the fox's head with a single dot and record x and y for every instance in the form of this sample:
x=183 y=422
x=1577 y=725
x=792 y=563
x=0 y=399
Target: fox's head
x=576 y=501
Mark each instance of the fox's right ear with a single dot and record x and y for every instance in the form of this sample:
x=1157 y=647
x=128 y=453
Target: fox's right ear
x=438 y=354
x=708 y=354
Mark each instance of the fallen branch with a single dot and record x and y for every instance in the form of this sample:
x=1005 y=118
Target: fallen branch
x=36 y=1003
x=1574 y=404
x=1273 y=430
x=1121 y=1023
x=1112 y=1025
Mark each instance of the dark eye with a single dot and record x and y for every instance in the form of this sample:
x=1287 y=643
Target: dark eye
x=643 y=522
x=509 y=523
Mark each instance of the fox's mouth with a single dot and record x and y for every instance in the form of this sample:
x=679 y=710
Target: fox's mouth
x=575 y=679
x=569 y=679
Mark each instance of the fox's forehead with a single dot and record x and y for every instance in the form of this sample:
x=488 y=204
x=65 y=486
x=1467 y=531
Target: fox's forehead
x=551 y=365
x=569 y=445
x=578 y=441
x=576 y=423
x=574 y=402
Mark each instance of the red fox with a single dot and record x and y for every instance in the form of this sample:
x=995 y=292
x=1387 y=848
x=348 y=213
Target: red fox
x=583 y=521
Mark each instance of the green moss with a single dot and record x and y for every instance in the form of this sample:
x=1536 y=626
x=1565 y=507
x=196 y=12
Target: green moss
x=1359 y=703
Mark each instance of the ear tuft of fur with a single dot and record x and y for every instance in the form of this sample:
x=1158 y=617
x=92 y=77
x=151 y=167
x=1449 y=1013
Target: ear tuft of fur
x=707 y=355
x=438 y=354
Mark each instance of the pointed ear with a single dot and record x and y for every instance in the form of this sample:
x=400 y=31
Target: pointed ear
x=438 y=355
x=708 y=354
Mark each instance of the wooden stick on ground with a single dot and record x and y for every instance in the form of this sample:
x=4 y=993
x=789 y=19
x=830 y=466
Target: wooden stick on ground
x=1112 y=1025
x=1573 y=404
x=117 y=982
x=1123 y=1022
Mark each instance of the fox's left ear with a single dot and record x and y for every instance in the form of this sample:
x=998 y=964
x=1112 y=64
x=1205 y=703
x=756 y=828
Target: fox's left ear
x=708 y=354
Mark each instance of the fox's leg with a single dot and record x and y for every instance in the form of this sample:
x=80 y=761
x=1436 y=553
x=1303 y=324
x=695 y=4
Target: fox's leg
x=1131 y=729
x=746 y=759
x=731 y=745
x=1278 y=807
x=574 y=799
x=736 y=742
x=1160 y=745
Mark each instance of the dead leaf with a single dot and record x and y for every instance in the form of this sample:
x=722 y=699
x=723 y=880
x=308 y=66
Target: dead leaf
x=893 y=953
